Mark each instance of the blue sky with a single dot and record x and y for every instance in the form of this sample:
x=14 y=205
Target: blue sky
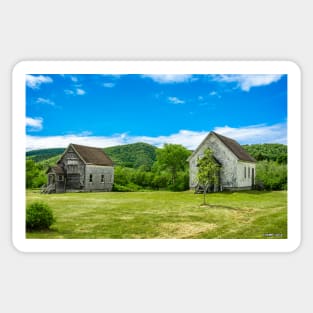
x=108 y=110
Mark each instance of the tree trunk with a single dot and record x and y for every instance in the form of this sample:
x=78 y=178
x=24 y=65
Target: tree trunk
x=204 y=193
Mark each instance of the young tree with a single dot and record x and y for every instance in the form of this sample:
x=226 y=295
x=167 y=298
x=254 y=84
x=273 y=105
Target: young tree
x=173 y=158
x=207 y=172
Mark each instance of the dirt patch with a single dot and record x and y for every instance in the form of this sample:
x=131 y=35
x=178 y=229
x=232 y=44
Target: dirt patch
x=185 y=230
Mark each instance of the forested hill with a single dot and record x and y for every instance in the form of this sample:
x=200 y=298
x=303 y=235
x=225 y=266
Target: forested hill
x=133 y=155
x=268 y=151
x=44 y=154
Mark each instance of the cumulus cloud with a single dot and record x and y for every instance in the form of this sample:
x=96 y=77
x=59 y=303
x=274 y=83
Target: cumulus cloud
x=45 y=101
x=247 y=81
x=256 y=133
x=34 y=124
x=175 y=100
x=80 y=92
x=188 y=138
x=169 y=78
x=35 y=82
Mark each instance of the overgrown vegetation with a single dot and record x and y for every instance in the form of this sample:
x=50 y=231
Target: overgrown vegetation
x=35 y=174
x=271 y=175
x=39 y=216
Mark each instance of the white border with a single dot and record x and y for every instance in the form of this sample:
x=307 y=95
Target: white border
x=156 y=245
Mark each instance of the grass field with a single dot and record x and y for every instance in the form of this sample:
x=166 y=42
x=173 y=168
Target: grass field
x=161 y=214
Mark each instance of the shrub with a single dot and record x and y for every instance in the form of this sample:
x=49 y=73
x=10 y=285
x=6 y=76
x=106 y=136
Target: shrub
x=128 y=188
x=39 y=216
x=271 y=175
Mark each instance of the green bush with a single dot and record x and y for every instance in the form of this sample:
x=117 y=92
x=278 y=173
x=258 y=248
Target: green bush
x=39 y=216
x=271 y=175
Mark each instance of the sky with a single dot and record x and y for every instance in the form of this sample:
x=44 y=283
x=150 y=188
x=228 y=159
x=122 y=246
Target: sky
x=108 y=110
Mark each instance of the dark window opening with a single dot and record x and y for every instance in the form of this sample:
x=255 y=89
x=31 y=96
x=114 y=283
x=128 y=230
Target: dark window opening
x=90 y=178
x=102 y=178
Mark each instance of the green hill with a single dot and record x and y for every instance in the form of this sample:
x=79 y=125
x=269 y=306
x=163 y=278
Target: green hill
x=133 y=155
x=44 y=154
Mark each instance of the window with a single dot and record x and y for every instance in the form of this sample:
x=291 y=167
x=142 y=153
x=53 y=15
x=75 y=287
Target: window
x=248 y=172
x=102 y=178
x=60 y=178
x=245 y=172
x=90 y=178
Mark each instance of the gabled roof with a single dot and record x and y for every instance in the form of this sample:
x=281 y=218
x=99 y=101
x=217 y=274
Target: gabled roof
x=231 y=144
x=235 y=148
x=92 y=155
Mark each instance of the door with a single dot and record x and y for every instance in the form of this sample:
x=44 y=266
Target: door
x=73 y=181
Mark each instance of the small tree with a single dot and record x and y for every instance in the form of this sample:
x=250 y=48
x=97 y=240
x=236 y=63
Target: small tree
x=207 y=172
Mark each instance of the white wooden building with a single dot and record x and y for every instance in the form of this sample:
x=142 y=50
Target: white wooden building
x=237 y=167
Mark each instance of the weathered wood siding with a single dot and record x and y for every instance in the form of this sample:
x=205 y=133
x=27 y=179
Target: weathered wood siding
x=99 y=178
x=74 y=168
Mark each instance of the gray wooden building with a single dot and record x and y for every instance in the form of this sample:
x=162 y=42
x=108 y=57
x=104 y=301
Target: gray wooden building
x=81 y=168
x=236 y=166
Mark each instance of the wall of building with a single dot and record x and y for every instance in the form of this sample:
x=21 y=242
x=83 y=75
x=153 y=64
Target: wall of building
x=101 y=180
x=244 y=174
x=228 y=173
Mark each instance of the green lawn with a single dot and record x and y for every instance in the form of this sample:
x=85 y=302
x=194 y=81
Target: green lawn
x=162 y=214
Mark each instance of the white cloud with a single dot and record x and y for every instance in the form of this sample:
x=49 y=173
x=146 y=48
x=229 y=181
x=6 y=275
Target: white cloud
x=108 y=85
x=169 y=78
x=75 y=92
x=80 y=92
x=247 y=81
x=35 y=82
x=256 y=133
x=45 y=101
x=175 y=100
x=188 y=138
x=34 y=124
